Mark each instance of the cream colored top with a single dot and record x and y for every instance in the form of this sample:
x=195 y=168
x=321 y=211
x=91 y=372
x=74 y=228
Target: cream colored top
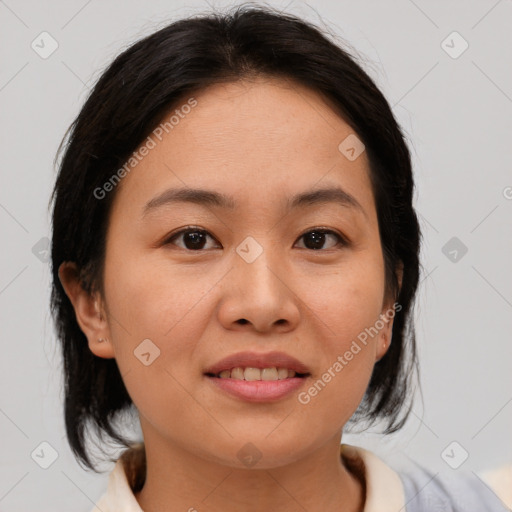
x=384 y=487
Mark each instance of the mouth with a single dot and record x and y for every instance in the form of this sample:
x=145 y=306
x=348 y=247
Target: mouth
x=252 y=374
x=253 y=366
x=254 y=377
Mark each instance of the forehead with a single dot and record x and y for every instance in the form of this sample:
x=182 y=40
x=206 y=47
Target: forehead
x=256 y=140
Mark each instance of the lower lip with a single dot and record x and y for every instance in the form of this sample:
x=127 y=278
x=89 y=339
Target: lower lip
x=259 y=390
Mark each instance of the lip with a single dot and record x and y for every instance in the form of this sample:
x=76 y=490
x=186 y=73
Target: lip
x=258 y=360
x=259 y=390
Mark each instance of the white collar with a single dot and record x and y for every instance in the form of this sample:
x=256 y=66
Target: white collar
x=384 y=489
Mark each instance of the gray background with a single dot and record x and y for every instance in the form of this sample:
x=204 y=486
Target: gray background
x=457 y=114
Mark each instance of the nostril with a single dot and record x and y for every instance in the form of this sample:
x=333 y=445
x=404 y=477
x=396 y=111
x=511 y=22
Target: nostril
x=242 y=321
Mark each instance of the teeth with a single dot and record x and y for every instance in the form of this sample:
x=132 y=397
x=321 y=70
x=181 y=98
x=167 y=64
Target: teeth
x=269 y=374
x=251 y=374
x=282 y=373
x=236 y=373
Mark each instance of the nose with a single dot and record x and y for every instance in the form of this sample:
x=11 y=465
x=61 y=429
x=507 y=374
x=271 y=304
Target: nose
x=258 y=297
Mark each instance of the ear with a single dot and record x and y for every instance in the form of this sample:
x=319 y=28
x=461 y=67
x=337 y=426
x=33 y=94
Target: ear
x=89 y=311
x=389 y=310
x=384 y=338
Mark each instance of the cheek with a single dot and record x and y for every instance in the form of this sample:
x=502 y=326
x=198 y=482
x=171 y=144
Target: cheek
x=170 y=305
x=153 y=297
x=344 y=315
x=347 y=301
x=344 y=307
x=155 y=323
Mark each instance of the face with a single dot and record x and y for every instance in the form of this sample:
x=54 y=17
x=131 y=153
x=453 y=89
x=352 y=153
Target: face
x=245 y=233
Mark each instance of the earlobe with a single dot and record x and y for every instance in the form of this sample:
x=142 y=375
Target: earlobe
x=102 y=347
x=387 y=316
x=382 y=348
x=88 y=311
x=385 y=334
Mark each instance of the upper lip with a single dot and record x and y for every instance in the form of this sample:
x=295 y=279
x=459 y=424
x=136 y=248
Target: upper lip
x=258 y=360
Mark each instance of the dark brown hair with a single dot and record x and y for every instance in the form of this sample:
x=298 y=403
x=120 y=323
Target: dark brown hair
x=133 y=94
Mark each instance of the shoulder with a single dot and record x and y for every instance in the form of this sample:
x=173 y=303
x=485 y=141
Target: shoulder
x=126 y=479
x=456 y=491
x=413 y=488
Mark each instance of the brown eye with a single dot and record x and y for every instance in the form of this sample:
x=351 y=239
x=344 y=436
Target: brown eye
x=192 y=239
x=318 y=238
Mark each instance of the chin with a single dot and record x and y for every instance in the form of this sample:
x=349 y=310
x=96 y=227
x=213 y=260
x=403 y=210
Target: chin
x=261 y=450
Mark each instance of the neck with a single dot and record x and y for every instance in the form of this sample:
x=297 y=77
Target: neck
x=177 y=480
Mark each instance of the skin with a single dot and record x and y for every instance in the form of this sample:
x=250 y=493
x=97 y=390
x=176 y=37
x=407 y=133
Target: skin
x=259 y=142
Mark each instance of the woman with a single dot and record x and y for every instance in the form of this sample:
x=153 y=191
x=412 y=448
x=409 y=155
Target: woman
x=235 y=257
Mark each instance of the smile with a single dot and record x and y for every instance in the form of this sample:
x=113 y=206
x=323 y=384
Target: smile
x=253 y=374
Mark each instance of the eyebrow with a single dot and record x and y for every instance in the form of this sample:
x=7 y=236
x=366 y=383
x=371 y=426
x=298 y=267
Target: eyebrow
x=219 y=200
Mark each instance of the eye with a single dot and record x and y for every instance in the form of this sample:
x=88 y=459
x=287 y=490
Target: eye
x=193 y=239
x=317 y=238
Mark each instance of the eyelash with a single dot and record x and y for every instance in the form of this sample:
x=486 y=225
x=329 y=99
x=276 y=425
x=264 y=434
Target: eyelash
x=192 y=229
